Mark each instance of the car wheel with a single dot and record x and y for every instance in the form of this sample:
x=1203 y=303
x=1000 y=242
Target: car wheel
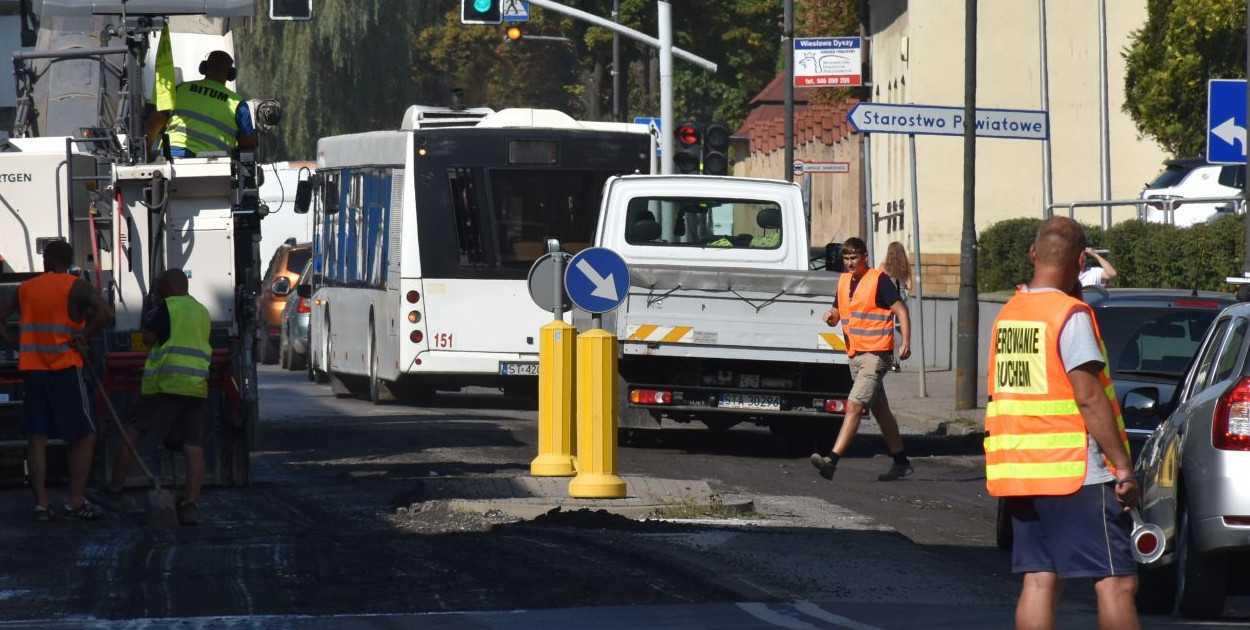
x=284 y=357
x=1003 y=536
x=268 y=351
x=1200 y=578
x=1156 y=589
x=298 y=361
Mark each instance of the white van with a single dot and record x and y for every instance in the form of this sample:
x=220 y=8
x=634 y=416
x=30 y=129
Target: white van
x=1193 y=177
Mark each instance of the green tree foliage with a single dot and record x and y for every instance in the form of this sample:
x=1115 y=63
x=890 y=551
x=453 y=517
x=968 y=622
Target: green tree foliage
x=360 y=63
x=1183 y=44
x=1144 y=254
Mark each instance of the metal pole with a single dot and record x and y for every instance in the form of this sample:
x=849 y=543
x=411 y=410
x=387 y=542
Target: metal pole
x=668 y=124
x=787 y=51
x=870 y=225
x=1245 y=254
x=1047 y=176
x=918 y=329
x=617 y=113
x=966 y=372
x=1104 y=114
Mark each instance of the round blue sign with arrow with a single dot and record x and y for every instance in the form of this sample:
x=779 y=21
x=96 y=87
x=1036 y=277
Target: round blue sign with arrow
x=597 y=280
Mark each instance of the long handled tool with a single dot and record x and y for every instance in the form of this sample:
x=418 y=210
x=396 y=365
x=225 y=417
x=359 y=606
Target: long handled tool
x=163 y=509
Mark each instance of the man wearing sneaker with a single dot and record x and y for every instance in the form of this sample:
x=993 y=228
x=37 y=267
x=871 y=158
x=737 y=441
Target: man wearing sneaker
x=1052 y=426
x=868 y=304
x=55 y=329
x=175 y=386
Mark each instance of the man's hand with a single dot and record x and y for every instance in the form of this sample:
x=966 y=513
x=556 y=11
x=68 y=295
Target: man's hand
x=831 y=317
x=1127 y=491
x=904 y=351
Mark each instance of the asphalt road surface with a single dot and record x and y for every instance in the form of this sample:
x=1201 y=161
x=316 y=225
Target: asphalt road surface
x=340 y=529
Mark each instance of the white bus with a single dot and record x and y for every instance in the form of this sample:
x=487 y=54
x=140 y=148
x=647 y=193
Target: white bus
x=424 y=237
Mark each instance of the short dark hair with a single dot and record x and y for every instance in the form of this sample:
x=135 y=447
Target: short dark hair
x=59 y=253
x=854 y=245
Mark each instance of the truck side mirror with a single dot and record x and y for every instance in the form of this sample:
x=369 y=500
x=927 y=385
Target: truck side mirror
x=303 y=197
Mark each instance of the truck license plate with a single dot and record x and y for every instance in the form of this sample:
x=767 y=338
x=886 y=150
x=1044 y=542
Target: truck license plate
x=750 y=401
x=518 y=369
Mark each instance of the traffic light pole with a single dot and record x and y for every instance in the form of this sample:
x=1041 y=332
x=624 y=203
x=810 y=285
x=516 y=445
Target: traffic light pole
x=667 y=52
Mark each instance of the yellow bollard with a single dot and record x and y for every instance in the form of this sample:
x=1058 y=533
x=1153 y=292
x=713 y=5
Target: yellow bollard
x=555 y=401
x=596 y=418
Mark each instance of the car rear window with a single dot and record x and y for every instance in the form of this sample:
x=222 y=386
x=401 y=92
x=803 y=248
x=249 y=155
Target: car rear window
x=297 y=259
x=1170 y=176
x=1157 y=340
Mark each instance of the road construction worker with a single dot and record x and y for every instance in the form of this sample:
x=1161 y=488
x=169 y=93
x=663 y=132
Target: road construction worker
x=207 y=117
x=174 y=392
x=60 y=313
x=868 y=304
x=1056 y=448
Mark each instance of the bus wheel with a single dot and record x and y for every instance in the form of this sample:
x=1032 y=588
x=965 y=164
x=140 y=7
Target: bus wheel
x=379 y=392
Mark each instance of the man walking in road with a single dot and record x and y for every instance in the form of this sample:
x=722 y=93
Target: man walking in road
x=54 y=306
x=867 y=305
x=1052 y=427
x=175 y=387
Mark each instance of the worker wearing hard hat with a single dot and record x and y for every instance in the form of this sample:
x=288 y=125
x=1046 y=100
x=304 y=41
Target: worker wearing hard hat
x=208 y=117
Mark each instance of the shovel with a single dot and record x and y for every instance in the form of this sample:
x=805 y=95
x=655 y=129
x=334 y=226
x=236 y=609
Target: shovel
x=163 y=510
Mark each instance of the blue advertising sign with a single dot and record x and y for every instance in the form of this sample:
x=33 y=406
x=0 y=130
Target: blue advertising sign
x=1226 y=121
x=597 y=280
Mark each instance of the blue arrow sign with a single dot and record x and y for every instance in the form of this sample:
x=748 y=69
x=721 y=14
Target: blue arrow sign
x=597 y=280
x=1226 y=121
x=1023 y=124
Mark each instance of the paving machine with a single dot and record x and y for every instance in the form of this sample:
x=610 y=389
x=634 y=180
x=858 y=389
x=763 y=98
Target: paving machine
x=76 y=167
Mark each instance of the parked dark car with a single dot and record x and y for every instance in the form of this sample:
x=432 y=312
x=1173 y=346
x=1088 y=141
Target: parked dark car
x=1150 y=336
x=293 y=339
x=1195 y=475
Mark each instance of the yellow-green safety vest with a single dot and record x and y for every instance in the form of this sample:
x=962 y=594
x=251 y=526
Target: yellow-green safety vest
x=204 y=120
x=180 y=365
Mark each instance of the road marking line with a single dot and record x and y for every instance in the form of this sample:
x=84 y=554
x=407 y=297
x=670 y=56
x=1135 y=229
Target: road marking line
x=772 y=617
x=809 y=608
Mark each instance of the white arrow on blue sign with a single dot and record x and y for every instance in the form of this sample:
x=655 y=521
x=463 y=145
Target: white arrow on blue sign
x=597 y=280
x=1226 y=121
x=1023 y=124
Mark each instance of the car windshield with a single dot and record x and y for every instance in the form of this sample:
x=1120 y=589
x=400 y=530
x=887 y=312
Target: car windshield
x=1170 y=176
x=1157 y=340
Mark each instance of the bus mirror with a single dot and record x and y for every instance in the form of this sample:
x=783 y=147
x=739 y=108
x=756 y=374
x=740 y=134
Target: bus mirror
x=303 y=197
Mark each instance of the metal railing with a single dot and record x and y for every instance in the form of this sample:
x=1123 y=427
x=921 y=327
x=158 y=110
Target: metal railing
x=1168 y=205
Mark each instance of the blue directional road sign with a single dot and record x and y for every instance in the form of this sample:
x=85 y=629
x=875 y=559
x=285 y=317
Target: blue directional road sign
x=597 y=280
x=1022 y=124
x=1226 y=121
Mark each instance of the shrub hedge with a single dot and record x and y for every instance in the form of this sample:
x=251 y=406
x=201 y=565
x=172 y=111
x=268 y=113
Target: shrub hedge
x=1144 y=254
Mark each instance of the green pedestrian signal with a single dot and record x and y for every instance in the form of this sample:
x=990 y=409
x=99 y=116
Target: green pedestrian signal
x=481 y=11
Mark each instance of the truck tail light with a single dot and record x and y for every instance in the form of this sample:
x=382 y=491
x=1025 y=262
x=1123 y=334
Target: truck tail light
x=650 y=397
x=302 y=306
x=835 y=405
x=1230 y=430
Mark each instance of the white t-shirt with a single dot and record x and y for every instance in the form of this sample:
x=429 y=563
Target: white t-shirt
x=1093 y=277
x=1078 y=346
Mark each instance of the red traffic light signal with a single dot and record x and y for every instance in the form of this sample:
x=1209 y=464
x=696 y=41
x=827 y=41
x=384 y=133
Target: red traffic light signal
x=689 y=150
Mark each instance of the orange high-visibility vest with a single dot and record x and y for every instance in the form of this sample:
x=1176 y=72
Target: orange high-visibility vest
x=46 y=325
x=868 y=327
x=1036 y=442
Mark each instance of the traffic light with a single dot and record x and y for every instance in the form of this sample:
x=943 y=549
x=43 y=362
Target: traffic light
x=481 y=11
x=688 y=148
x=716 y=149
x=300 y=10
x=514 y=33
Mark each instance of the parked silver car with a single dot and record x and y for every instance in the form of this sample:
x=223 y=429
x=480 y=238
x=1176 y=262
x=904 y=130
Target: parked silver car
x=1195 y=475
x=293 y=336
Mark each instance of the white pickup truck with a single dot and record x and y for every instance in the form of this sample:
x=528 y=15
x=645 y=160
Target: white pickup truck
x=723 y=321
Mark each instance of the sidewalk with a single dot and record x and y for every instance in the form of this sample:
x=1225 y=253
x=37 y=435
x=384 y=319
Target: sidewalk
x=935 y=413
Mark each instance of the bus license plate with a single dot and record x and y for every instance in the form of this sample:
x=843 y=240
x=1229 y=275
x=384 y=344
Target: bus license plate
x=518 y=369
x=750 y=401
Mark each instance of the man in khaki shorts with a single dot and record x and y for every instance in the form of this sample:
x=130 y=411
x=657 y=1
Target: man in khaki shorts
x=867 y=305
